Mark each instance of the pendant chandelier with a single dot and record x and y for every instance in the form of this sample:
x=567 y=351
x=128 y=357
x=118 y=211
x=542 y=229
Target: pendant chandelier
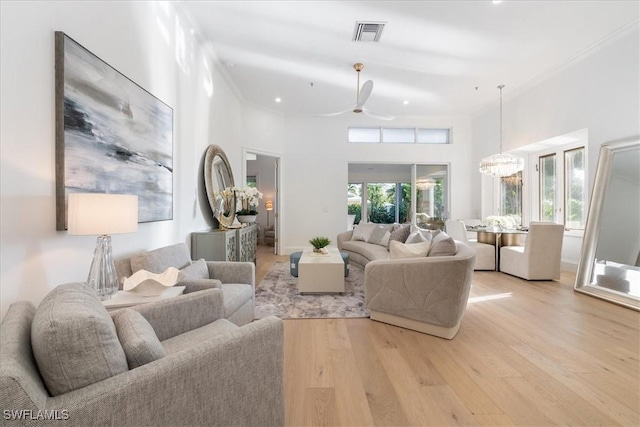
x=501 y=164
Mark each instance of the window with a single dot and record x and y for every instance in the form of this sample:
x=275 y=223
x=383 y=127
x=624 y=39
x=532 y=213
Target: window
x=511 y=195
x=382 y=193
x=399 y=135
x=562 y=191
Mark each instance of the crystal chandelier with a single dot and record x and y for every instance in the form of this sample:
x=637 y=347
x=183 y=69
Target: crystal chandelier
x=501 y=164
x=425 y=183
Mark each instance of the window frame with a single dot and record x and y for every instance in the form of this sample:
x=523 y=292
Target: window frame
x=416 y=131
x=560 y=196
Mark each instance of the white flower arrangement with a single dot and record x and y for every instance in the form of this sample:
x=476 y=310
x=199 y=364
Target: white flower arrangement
x=506 y=222
x=249 y=199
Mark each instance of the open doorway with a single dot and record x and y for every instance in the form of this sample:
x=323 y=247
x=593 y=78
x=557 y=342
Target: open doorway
x=262 y=170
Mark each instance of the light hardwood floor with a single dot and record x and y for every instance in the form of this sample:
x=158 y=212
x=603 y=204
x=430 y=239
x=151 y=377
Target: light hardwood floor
x=528 y=354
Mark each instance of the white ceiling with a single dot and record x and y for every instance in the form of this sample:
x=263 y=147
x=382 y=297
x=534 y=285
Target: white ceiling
x=432 y=53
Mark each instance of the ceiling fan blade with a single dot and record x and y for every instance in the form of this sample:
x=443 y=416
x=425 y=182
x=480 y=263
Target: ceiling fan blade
x=333 y=114
x=364 y=94
x=377 y=115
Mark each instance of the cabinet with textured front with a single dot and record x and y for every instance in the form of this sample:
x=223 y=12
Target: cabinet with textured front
x=225 y=245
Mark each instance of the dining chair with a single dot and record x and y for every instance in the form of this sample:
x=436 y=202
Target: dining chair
x=539 y=258
x=485 y=253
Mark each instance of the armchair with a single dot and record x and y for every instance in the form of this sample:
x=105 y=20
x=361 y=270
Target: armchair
x=485 y=253
x=235 y=279
x=540 y=257
x=214 y=373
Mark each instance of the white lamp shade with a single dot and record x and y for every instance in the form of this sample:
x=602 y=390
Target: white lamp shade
x=268 y=205
x=98 y=214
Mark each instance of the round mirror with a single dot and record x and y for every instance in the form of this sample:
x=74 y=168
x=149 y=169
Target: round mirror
x=217 y=178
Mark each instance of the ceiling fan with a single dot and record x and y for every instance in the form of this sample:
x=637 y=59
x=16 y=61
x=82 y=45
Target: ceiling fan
x=362 y=95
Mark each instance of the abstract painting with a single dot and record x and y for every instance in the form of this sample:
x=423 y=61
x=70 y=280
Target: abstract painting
x=112 y=136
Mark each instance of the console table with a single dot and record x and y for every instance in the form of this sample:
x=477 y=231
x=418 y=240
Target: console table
x=238 y=244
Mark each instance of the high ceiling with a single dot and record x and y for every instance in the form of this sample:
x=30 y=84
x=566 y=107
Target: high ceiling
x=443 y=57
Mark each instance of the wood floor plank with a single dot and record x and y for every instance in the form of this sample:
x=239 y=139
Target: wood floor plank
x=320 y=407
x=351 y=399
x=383 y=402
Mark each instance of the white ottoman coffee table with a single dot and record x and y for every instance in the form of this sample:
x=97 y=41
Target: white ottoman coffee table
x=318 y=273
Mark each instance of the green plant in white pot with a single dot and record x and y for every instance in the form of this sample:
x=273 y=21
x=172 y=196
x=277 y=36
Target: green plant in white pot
x=319 y=244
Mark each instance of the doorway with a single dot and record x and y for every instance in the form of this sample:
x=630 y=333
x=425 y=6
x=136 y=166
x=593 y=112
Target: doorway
x=262 y=170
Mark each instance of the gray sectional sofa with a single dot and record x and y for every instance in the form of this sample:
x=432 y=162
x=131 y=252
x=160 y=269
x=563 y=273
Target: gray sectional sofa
x=424 y=291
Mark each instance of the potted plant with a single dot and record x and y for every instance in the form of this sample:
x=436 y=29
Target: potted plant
x=319 y=244
x=248 y=198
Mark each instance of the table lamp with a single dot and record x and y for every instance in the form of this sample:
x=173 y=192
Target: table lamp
x=269 y=207
x=102 y=215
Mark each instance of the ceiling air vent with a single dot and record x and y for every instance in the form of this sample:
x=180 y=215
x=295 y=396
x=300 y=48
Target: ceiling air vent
x=368 y=31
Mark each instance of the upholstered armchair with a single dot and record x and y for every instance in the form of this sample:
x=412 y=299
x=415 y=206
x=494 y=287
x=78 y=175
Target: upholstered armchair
x=485 y=253
x=540 y=257
x=235 y=279
x=171 y=362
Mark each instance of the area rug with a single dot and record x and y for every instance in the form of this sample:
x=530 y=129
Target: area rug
x=278 y=295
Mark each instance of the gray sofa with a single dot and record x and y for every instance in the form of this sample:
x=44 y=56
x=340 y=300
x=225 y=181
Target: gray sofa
x=425 y=294
x=235 y=279
x=69 y=363
x=360 y=252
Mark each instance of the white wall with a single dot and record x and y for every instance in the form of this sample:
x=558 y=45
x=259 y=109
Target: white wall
x=600 y=92
x=316 y=170
x=139 y=40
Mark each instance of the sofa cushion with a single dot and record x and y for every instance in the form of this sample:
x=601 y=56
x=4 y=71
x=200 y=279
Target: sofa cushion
x=398 y=250
x=197 y=270
x=442 y=245
x=362 y=232
x=74 y=339
x=137 y=337
x=400 y=233
x=158 y=260
x=416 y=237
x=368 y=250
x=380 y=235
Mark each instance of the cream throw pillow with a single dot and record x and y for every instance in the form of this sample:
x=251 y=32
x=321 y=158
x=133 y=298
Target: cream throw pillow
x=398 y=250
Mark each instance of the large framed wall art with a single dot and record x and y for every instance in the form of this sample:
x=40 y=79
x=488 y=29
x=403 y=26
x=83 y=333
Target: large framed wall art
x=112 y=136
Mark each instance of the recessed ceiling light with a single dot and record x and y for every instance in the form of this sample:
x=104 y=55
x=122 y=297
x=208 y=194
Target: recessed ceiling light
x=230 y=64
x=278 y=100
x=496 y=1
x=405 y=102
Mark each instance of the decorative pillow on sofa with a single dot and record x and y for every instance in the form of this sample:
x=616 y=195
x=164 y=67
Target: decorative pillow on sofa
x=417 y=237
x=380 y=235
x=399 y=250
x=362 y=232
x=197 y=270
x=74 y=340
x=137 y=337
x=400 y=233
x=442 y=245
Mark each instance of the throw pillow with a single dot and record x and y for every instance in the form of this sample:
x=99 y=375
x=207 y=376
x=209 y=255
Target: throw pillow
x=137 y=337
x=197 y=270
x=399 y=250
x=74 y=340
x=380 y=235
x=362 y=232
x=428 y=234
x=443 y=245
x=416 y=237
x=400 y=233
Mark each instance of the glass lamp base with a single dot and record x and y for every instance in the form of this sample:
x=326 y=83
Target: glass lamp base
x=102 y=274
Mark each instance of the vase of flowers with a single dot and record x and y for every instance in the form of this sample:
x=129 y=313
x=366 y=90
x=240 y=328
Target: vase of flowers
x=499 y=223
x=248 y=199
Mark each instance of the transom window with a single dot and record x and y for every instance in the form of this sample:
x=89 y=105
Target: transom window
x=377 y=135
